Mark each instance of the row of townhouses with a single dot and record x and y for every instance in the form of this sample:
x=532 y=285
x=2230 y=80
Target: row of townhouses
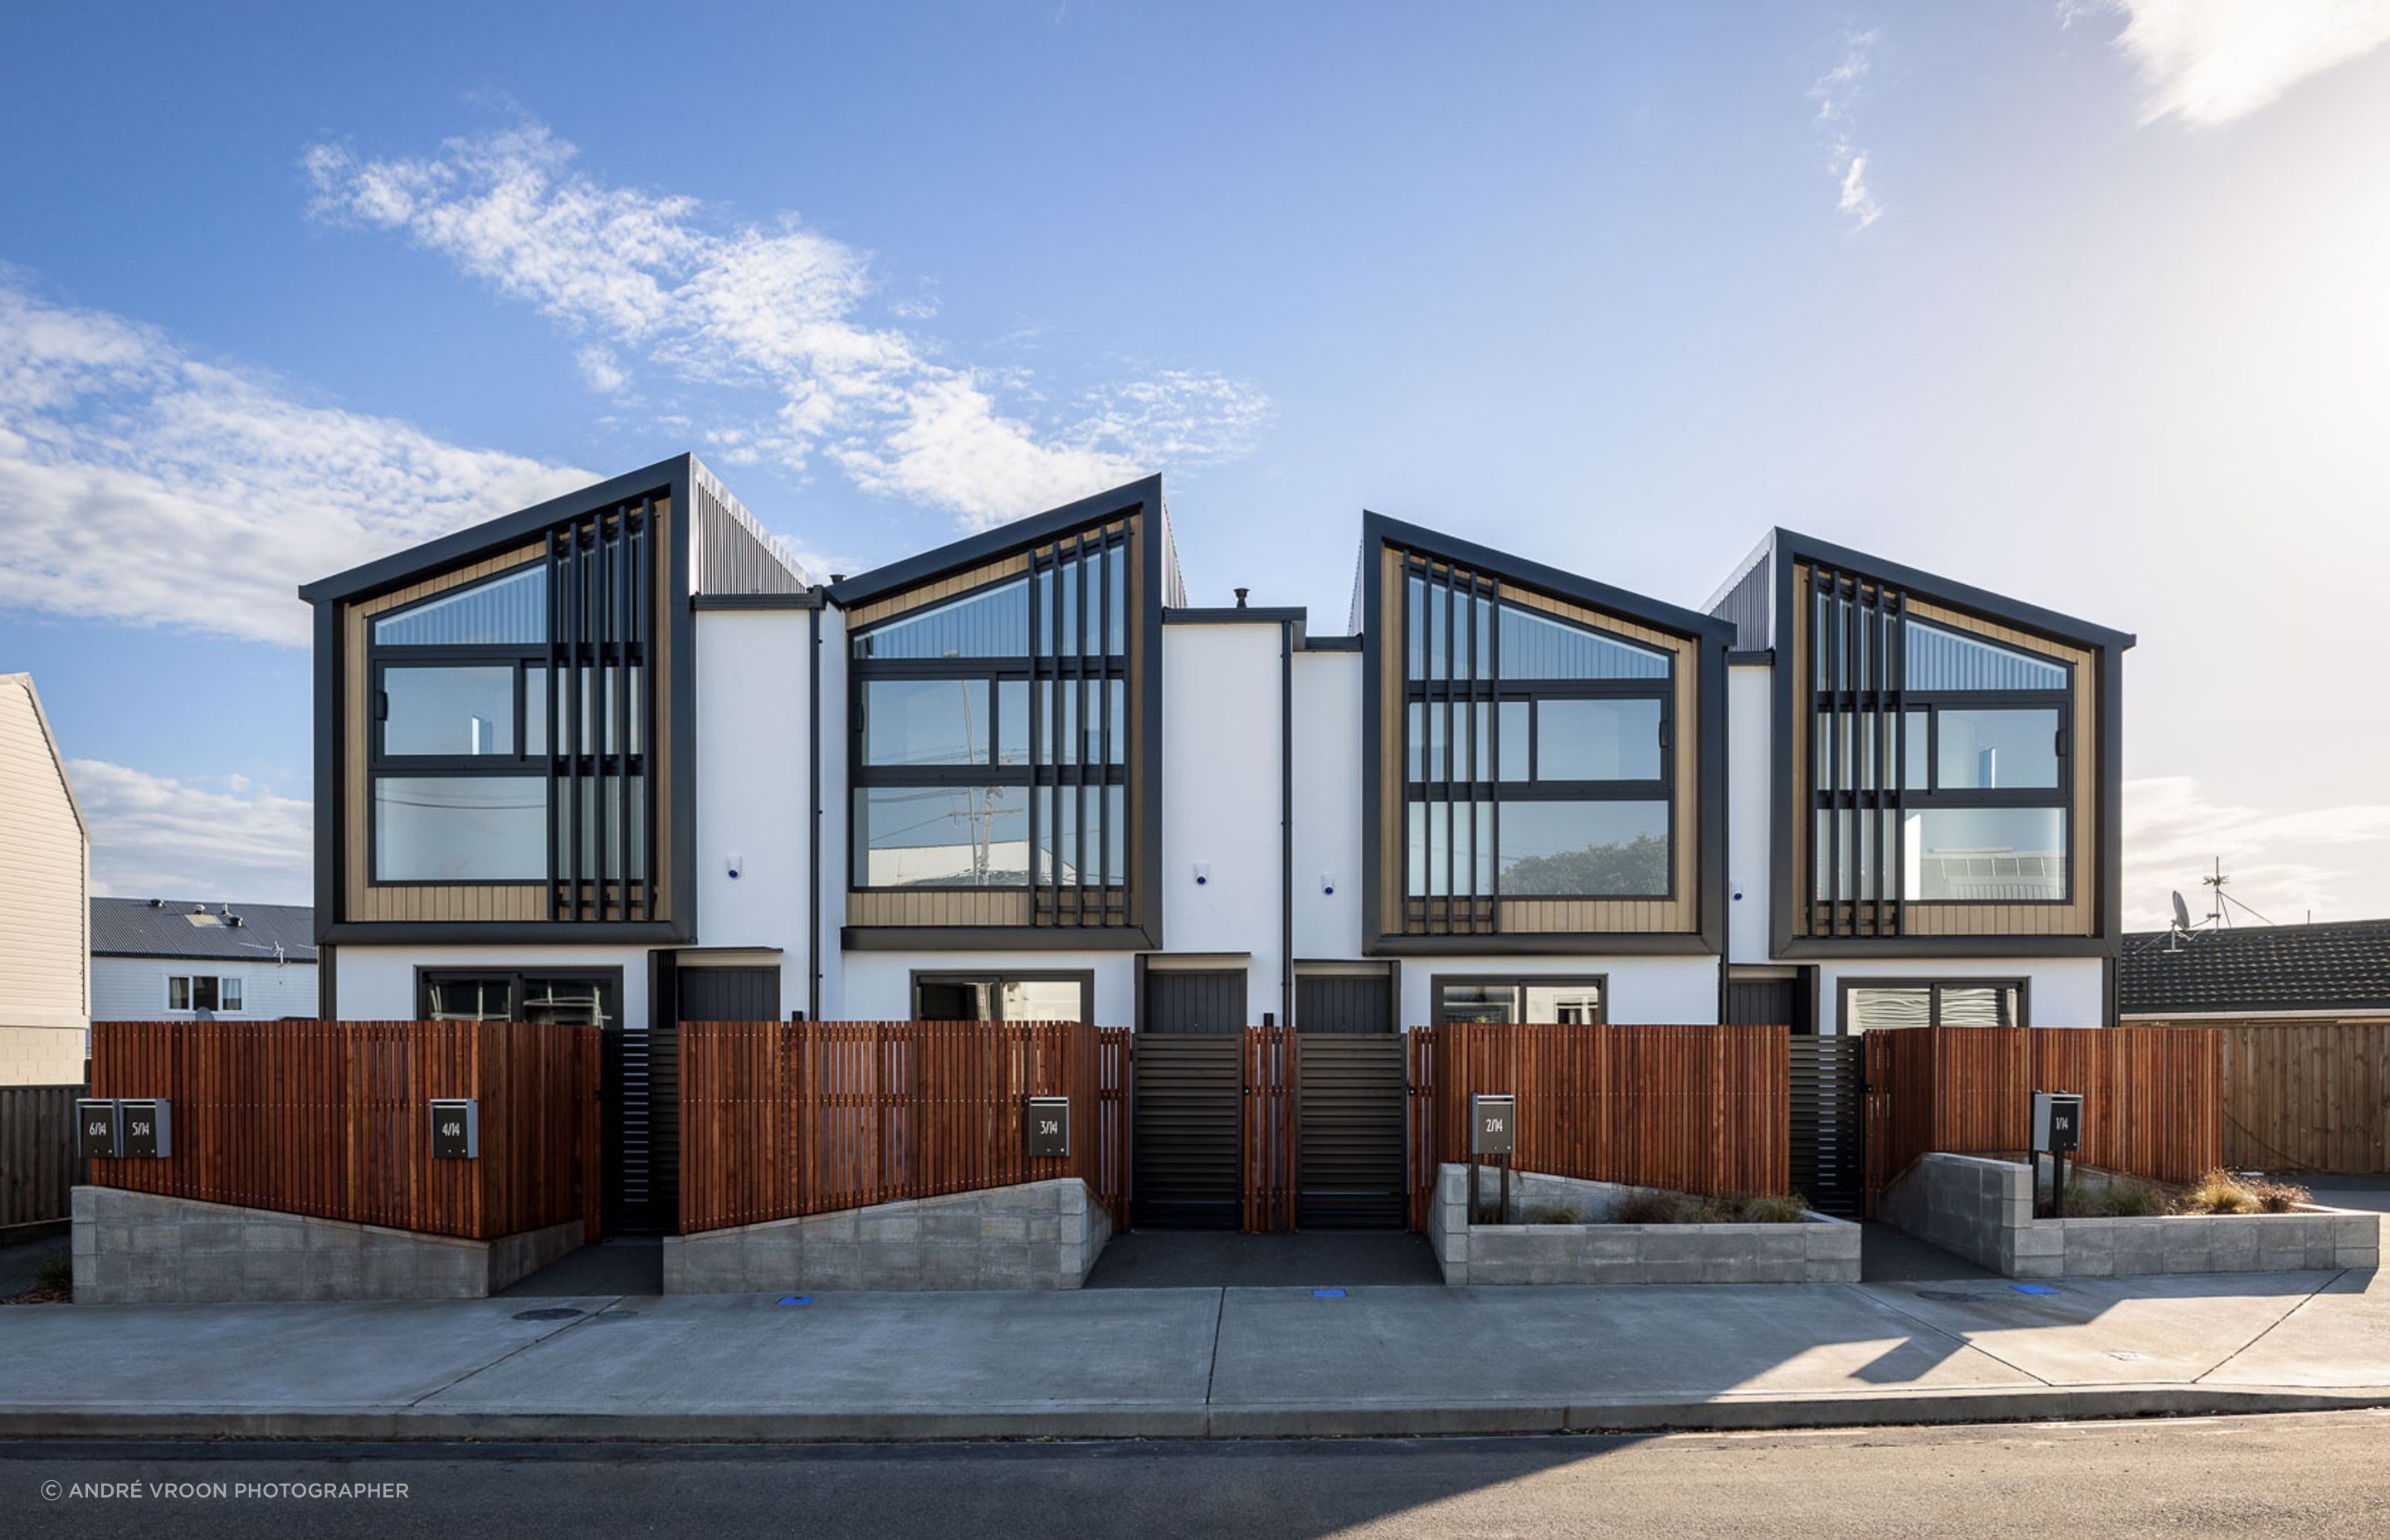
x=620 y=757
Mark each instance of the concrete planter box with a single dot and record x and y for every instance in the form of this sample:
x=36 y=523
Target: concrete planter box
x=140 y=1248
x=1819 y=1250
x=1982 y=1209
x=1039 y=1235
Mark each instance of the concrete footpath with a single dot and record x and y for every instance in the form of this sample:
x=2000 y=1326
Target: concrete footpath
x=1198 y=1362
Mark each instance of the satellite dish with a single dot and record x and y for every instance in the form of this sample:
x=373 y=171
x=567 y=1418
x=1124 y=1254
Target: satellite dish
x=2181 y=913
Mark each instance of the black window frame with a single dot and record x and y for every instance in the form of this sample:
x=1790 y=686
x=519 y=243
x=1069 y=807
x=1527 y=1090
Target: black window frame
x=1100 y=757
x=1518 y=983
x=609 y=977
x=1464 y=691
x=996 y=978
x=1935 y=984
x=1857 y=674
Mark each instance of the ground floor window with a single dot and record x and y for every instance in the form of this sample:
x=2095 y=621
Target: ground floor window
x=1563 y=1001
x=202 y=991
x=1012 y=997
x=567 y=997
x=1881 y=1005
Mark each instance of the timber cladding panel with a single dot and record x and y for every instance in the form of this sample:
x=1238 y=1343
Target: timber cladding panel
x=1015 y=907
x=2078 y=916
x=1678 y=915
x=364 y=899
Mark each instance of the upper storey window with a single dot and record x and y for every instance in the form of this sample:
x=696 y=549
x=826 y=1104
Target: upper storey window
x=991 y=740
x=1939 y=760
x=1535 y=750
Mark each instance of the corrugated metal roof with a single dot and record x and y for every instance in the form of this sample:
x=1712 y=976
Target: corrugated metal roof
x=136 y=927
x=2267 y=967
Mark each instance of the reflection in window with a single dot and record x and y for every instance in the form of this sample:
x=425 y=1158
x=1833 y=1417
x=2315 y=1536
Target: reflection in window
x=1584 y=849
x=1996 y=750
x=1986 y=854
x=993 y=623
x=998 y=997
x=941 y=836
x=1545 y=1001
x=1945 y=659
x=478 y=828
x=1598 y=740
x=925 y=722
x=1886 y=1006
x=509 y=611
x=448 y=711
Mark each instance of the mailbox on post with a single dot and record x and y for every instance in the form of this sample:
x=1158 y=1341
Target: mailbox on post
x=145 y=1130
x=96 y=1135
x=1490 y=1120
x=1049 y=1127
x=2058 y=1128
x=457 y=1129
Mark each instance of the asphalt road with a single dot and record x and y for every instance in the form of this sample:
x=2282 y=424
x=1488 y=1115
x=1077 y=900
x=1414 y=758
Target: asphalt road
x=2323 y=1474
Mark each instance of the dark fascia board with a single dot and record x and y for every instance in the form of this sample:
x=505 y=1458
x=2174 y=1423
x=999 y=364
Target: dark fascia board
x=495 y=535
x=513 y=932
x=294 y=959
x=996 y=938
x=1847 y=947
x=1295 y=619
x=1377 y=530
x=1751 y=657
x=1330 y=644
x=1792 y=546
x=809 y=599
x=1622 y=943
x=1001 y=541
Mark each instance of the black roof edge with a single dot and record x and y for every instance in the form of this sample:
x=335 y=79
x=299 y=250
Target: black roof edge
x=1331 y=644
x=1377 y=529
x=492 y=534
x=972 y=550
x=1791 y=544
x=1294 y=615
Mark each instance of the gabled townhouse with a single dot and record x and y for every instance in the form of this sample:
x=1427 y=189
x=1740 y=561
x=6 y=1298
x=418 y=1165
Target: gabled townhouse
x=621 y=758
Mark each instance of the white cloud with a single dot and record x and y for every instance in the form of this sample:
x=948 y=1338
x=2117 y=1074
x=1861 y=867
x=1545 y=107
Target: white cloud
x=156 y=838
x=777 y=312
x=2284 y=864
x=139 y=483
x=599 y=370
x=1836 y=92
x=2210 y=61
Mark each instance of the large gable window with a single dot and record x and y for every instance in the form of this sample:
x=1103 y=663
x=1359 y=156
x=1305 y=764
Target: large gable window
x=991 y=737
x=1536 y=754
x=1939 y=760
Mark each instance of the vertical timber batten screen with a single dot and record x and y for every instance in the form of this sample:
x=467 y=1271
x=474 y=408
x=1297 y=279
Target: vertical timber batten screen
x=37 y=1152
x=783 y=1119
x=332 y=1118
x=1273 y=1082
x=2152 y=1097
x=1693 y=1109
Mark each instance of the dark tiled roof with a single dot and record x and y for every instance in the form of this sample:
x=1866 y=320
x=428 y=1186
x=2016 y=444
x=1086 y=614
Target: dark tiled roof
x=2341 y=967
x=131 y=927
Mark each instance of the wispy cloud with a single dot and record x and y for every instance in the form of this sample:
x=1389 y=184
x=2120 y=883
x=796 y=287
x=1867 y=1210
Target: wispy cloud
x=775 y=310
x=2284 y=864
x=2210 y=61
x=1837 y=93
x=140 y=483
x=153 y=837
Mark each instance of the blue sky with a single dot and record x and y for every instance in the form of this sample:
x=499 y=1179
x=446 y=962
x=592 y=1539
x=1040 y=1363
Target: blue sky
x=2080 y=300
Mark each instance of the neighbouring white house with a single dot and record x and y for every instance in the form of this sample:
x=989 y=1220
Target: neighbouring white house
x=163 y=959
x=45 y=874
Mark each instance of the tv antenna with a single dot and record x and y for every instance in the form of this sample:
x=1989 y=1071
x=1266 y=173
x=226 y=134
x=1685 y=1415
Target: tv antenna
x=2226 y=903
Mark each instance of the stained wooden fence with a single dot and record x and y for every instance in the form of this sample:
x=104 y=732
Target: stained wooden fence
x=2306 y=1096
x=780 y=1118
x=2152 y=1097
x=1272 y=1095
x=37 y=1153
x=332 y=1118
x=1695 y=1109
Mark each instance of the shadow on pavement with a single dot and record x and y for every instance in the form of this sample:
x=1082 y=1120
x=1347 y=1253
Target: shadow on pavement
x=1222 y=1259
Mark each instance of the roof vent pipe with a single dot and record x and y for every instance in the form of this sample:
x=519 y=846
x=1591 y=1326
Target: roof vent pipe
x=157 y=903
x=1240 y=596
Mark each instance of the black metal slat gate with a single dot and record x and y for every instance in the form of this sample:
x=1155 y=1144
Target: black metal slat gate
x=1828 y=1122
x=1187 y=1167
x=1348 y=1163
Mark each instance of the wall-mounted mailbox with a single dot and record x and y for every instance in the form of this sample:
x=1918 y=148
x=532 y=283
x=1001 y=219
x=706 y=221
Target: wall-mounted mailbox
x=457 y=1129
x=96 y=1133
x=1491 y=1121
x=1049 y=1127
x=2057 y=1121
x=145 y=1130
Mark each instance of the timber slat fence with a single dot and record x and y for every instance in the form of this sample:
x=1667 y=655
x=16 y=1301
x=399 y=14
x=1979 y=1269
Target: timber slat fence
x=2306 y=1096
x=781 y=1118
x=37 y=1153
x=332 y=1118
x=1273 y=1091
x=2152 y=1097
x=1695 y=1109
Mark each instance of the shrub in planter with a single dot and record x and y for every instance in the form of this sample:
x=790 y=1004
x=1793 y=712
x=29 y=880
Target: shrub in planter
x=1555 y=1213
x=2120 y=1197
x=2221 y=1192
x=1673 y=1208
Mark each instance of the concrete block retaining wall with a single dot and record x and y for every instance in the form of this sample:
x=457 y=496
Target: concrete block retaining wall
x=140 y=1248
x=1819 y=1251
x=1983 y=1210
x=1039 y=1235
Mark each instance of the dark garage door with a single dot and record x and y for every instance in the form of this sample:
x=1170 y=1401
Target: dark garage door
x=1348 y=1163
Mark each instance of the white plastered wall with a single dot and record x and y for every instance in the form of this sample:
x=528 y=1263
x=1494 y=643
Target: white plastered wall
x=1750 y=803
x=1223 y=798
x=1328 y=781
x=753 y=737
